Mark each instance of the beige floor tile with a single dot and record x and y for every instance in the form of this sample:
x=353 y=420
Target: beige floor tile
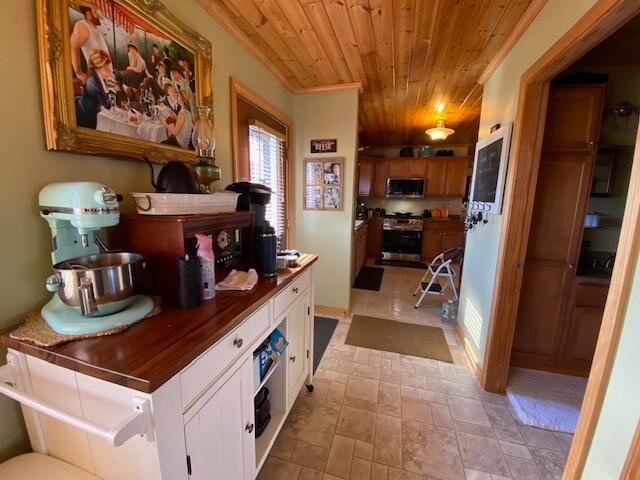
x=564 y=439
x=362 y=388
x=379 y=472
x=310 y=474
x=361 y=404
x=363 y=450
x=411 y=392
x=336 y=392
x=468 y=410
x=365 y=371
x=276 y=469
x=503 y=423
x=395 y=474
x=476 y=475
x=535 y=437
x=340 y=456
x=431 y=450
x=416 y=410
x=522 y=468
x=389 y=421
x=430 y=396
x=482 y=453
x=514 y=449
x=441 y=415
x=356 y=423
x=360 y=469
x=550 y=464
x=460 y=390
x=309 y=456
x=282 y=447
x=474 y=429
x=389 y=399
x=387 y=446
x=312 y=421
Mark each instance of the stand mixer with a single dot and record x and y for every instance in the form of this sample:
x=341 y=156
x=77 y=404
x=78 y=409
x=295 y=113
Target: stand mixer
x=94 y=292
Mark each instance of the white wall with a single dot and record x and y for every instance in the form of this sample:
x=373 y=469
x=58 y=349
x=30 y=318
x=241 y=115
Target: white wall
x=327 y=233
x=621 y=407
x=25 y=242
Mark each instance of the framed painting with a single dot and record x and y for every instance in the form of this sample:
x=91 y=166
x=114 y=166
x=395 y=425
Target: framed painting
x=323 y=183
x=121 y=78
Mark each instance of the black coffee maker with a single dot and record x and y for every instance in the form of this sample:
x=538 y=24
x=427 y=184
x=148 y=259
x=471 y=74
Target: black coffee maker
x=255 y=197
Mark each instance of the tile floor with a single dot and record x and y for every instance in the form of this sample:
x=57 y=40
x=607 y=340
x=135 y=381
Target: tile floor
x=384 y=416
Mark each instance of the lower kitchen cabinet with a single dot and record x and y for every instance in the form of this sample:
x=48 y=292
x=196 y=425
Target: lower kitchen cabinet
x=359 y=253
x=440 y=235
x=219 y=437
x=374 y=237
x=200 y=422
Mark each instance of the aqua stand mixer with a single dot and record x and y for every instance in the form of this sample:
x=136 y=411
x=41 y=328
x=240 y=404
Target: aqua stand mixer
x=94 y=291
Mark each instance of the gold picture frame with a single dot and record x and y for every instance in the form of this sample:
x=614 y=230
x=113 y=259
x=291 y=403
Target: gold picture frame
x=58 y=76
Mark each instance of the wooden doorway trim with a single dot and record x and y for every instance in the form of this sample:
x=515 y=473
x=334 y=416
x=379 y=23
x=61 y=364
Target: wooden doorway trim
x=598 y=23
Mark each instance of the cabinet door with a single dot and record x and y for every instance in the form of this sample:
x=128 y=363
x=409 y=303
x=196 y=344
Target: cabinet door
x=452 y=240
x=219 y=438
x=416 y=168
x=431 y=245
x=365 y=177
x=374 y=238
x=456 y=181
x=297 y=350
x=380 y=175
x=397 y=168
x=436 y=177
x=584 y=329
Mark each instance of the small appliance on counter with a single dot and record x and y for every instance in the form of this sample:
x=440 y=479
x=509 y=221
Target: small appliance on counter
x=165 y=239
x=379 y=212
x=255 y=197
x=362 y=212
x=94 y=292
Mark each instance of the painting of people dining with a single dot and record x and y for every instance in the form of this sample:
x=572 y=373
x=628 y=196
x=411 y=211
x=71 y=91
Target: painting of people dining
x=130 y=78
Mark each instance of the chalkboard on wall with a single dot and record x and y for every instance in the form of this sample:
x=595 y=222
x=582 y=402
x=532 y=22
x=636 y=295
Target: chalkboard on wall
x=489 y=171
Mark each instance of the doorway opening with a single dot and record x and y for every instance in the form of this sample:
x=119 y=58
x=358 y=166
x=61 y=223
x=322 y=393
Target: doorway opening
x=605 y=18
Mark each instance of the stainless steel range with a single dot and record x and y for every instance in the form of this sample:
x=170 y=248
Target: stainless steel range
x=402 y=239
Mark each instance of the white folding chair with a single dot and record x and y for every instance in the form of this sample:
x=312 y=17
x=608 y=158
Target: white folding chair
x=439 y=268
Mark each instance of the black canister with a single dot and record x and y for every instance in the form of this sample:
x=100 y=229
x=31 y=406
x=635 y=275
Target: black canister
x=188 y=282
x=266 y=246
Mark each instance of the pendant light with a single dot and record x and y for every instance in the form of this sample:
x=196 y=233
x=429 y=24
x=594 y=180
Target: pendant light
x=440 y=132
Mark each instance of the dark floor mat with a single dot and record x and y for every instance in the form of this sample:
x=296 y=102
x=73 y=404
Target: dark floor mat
x=323 y=329
x=369 y=278
x=398 y=263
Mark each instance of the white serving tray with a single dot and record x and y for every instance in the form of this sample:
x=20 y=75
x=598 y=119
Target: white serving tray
x=185 y=203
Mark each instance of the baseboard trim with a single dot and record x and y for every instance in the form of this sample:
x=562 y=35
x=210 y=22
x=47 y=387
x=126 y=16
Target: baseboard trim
x=467 y=350
x=332 y=311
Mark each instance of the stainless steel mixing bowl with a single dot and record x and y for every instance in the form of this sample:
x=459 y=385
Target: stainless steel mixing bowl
x=98 y=284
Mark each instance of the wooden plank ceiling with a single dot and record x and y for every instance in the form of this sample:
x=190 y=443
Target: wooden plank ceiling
x=409 y=55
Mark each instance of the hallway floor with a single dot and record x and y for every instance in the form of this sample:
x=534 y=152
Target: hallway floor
x=384 y=416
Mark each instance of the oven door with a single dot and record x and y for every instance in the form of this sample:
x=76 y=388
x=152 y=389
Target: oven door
x=399 y=244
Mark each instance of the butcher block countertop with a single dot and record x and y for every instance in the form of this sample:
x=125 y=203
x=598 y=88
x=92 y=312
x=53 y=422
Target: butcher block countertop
x=150 y=352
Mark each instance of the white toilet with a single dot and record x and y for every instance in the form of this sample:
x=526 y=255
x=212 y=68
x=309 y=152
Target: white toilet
x=35 y=466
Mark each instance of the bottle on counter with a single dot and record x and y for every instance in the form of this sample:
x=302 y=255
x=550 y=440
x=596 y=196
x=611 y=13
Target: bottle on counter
x=207 y=266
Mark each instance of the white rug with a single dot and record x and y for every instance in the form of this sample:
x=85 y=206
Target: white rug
x=546 y=400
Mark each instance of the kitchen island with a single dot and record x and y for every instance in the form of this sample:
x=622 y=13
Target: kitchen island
x=190 y=373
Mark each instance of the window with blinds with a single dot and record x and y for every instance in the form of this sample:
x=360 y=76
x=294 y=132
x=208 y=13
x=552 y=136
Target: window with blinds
x=267 y=166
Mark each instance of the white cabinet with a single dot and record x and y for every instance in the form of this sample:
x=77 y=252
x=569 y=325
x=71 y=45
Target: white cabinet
x=219 y=437
x=297 y=323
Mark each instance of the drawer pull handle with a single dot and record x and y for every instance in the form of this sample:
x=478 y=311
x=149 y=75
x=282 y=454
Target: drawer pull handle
x=292 y=358
x=249 y=428
x=295 y=289
x=238 y=342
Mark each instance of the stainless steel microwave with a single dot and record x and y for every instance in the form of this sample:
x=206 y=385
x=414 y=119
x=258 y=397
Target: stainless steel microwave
x=405 y=187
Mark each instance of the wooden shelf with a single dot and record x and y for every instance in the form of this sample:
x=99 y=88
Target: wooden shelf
x=265 y=441
x=267 y=377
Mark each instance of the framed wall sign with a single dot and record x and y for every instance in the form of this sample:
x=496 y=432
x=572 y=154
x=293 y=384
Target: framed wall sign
x=324 y=146
x=121 y=78
x=323 y=183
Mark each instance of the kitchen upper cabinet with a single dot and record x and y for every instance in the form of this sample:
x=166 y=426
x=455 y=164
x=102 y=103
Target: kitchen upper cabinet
x=416 y=168
x=374 y=237
x=436 y=177
x=219 y=437
x=456 y=182
x=398 y=168
x=380 y=175
x=365 y=176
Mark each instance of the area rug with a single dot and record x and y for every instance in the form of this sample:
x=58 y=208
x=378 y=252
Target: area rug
x=322 y=331
x=398 y=337
x=369 y=278
x=546 y=400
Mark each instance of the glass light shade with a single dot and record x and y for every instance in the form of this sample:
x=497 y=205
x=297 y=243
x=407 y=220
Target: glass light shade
x=440 y=132
x=202 y=136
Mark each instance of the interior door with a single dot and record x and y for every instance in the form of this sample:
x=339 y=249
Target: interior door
x=562 y=192
x=220 y=443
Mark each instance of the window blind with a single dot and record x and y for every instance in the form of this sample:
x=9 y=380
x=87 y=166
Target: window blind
x=267 y=166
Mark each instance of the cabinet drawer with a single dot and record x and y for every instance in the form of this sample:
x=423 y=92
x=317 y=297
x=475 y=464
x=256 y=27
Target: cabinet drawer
x=443 y=226
x=294 y=290
x=590 y=294
x=205 y=369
